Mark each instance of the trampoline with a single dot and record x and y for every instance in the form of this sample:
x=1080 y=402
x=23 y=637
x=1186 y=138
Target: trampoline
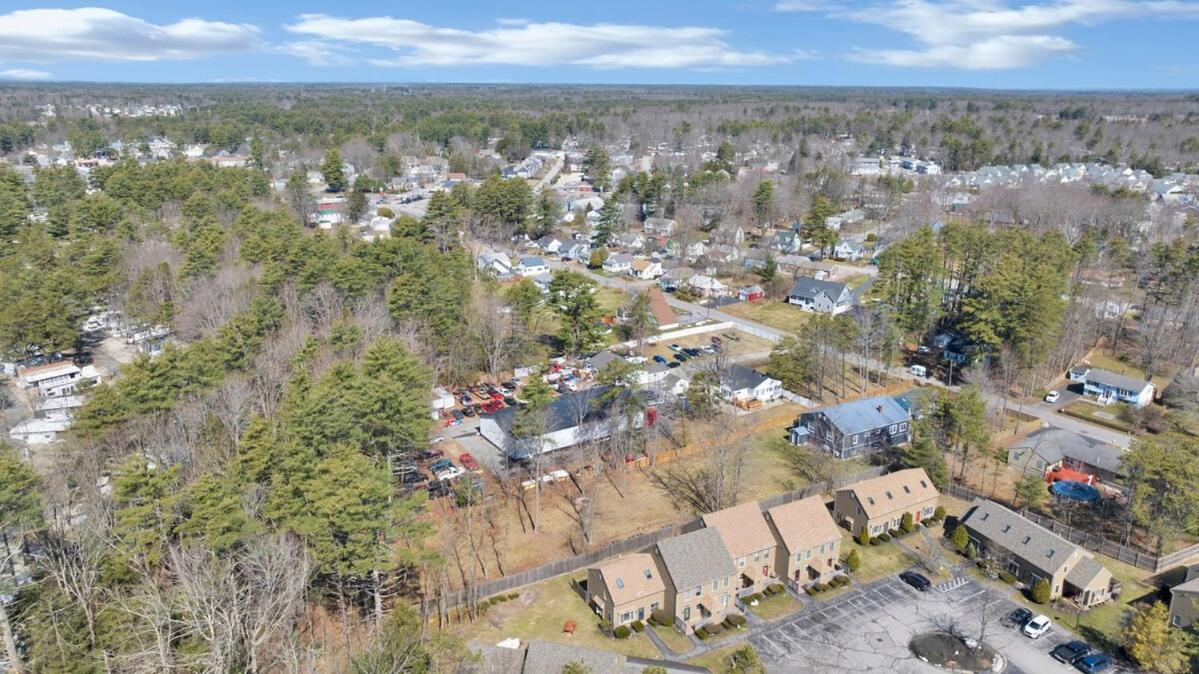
x=1075 y=491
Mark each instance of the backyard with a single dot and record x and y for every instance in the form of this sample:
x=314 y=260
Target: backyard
x=775 y=606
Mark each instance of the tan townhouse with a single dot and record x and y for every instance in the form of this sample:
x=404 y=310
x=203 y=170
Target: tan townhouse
x=1184 y=601
x=808 y=541
x=700 y=577
x=627 y=589
x=1031 y=553
x=749 y=542
x=878 y=504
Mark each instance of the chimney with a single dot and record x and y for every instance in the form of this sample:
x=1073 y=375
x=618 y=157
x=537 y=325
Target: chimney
x=879 y=408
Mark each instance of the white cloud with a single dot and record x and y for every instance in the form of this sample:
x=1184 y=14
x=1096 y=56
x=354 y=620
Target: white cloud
x=24 y=74
x=47 y=35
x=526 y=43
x=804 y=6
x=995 y=34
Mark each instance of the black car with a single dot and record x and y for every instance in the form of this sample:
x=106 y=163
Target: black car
x=438 y=488
x=682 y=358
x=509 y=401
x=1017 y=618
x=412 y=478
x=468 y=411
x=428 y=454
x=692 y=352
x=1071 y=651
x=916 y=580
x=673 y=364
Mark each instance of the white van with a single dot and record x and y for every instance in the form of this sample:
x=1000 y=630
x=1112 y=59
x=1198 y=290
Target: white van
x=918 y=371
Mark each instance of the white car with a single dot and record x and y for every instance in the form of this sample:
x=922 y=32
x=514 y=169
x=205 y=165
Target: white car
x=918 y=371
x=450 y=473
x=1052 y=396
x=1037 y=627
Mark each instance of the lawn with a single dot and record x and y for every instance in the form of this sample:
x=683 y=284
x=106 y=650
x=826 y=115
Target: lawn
x=715 y=660
x=542 y=610
x=610 y=299
x=775 y=313
x=777 y=606
x=854 y=282
x=673 y=639
x=1104 y=415
x=880 y=560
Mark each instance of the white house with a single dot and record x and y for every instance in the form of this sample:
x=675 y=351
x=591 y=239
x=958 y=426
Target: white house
x=497 y=263
x=618 y=264
x=550 y=244
x=1109 y=387
x=577 y=251
x=531 y=265
x=742 y=383
x=645 y=269
x=571 y=419
x=39 y=431
x=660 y=226
x=707 y=286
x=58 y=379
x=824 y=297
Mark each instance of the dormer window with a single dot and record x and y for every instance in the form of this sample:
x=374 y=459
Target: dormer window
x=1007 y=528
x=620 y=583
x=870 y=500
x=924 y=484
x=1027 y=539
x=1050 y=553
x=906 y=490
x=889 y=496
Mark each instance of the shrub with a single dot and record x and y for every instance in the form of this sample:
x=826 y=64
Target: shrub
x=385 y=212
x=621 y=632
x=775 y=588
x=960 y=538
x=853 y=561
x=714 y=629
x=895 y=533
x=811 y=590
x=638 y=626
x=702 y=632
x=735 y=620
x=908 y=523
x=971 y=551
x=514 y=595
x=875 y=542
x=939 y=514
x=1040 y=591
x=863 y=536
x=884 y=537
x=819 y=587
x=1007 y=577
x=661 y=617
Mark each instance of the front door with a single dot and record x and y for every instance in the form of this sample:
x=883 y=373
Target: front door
x=641 y=613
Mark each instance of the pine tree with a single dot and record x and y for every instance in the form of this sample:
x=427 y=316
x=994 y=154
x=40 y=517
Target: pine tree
x=960 y=538
x=334 y=171
x=1041 y=592
x=1031 y=491
x=853 y=560
x=573 y=299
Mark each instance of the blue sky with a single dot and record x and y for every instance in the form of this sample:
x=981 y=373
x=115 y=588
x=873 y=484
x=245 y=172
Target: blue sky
x=1037 y=44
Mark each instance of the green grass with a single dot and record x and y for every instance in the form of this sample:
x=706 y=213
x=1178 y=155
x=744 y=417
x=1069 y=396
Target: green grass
x=540 y=613
x=715 y=660
x=877 y=560
x=610 y=299
x=775 y=313
x=1109 y=415
x=675 y=641
x=854 y=282
x=777 y=606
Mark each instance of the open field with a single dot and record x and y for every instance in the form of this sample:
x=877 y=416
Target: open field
x=775 y=313
x=745 y=344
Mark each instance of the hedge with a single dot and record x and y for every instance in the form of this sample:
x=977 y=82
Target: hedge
x=638 y=626
x=661 y=617
x=605 y=625
x=1007 y=577
x=734 y=620
x=714 y=629
x=701 y=632
x=621 y=632
x=884 y=537
x=774 y=589
x=876 y=541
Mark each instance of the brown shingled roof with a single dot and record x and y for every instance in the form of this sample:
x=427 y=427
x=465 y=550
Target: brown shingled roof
x=632 y=577
x=742 y=528
x=895 y=491
x=661 y=311
x=804 y=524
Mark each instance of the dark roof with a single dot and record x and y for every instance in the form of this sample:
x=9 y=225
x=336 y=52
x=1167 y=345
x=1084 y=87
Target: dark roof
x=1053 y=443
x=860 y=416
x=565 y=411
x=1030 y=541
x=545 y=657
x=738 y=377
x=1108 y=378
x=695 y=559
x=810 y=287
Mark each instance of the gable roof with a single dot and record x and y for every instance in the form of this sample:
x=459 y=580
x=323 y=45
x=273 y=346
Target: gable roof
x=742 y=528
x=602 y=360
x=1109 y=378
x=1189 y=587
x=565 y=411
x=894 y=491
x=859 y=416
x=810 y=287
x=642 y=265
x=1033 y=543
x=695 y=558
x=1053 y=444
x=531 y=261
x=739 y=377
x=1084 y=572
x=620 y=258
x=632 y=577
x=545 y=657
x=803 y=524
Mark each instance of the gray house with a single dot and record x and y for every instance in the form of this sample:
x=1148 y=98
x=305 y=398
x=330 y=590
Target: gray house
x=1048 y=448
x=1110 y=387
x=855 y=428
x=700 y=576
x=826 y=297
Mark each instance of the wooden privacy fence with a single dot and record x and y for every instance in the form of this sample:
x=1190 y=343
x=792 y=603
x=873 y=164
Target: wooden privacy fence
x=1141 y=559
x=634 y=543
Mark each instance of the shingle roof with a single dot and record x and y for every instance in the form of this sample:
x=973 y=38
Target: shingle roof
x=695 y=558
x=1033 y=543
x=742 y=528
x=1053 y=443
x=660 y=309
x=1084 y=572
x=1109 y=378
x=602 y=359
x=632 y=577
x=810 y=287
x=545 y=657
x=860 y=416
x=565 y=411
x=804 y=523
x=895 y=491
x=1189 y=587
x=531 y=261
x=738 y=377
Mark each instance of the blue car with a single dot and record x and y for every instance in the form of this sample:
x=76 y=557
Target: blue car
x=660 y=359
x=1096 y=662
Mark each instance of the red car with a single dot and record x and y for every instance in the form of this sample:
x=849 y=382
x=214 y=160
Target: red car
x=496 y=395
x=491 y=407
x=468 y=462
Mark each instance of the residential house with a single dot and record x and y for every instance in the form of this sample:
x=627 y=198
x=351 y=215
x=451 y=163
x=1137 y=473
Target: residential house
x=1184 y=600
x=740 y=383
x=645 y=269
x=550 y=244
x=729 y=234
x=619 y=263
x=602 y=360
x=706 y=286
x=787 y=241
x=652 y=374
x=531 y=265
x=826 y=297
x=849 y=217
x=61 y=407
x=1032 y=553
x=585 y=204
x=695 y=250
x=576 y=251
x=847 y=250
x=572 y=418
x=1109 y=387
x=749 y=542
x=497 y=263
x=631 y=241
x=543 y=281
x=1047 y=449
x=879 y=504
x=627 y=589
x=751 y=293
x=855 y=428
x=660 y=226
x=699 y=578
x=58 y=379
x=808 y=540
x=39 y=431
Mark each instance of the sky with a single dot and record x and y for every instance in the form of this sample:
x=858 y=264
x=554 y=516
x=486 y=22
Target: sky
x=1002 y=44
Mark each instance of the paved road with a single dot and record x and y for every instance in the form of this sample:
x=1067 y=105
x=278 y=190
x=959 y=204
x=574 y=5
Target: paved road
x=559 y=161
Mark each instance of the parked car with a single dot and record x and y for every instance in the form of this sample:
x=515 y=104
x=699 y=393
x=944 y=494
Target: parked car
x=1070 y=651
x=1017 y=618
x=429 y=454
x=673 y=364
x=435 y=440
x=1037 y=627
x=715 y=339
x=923 y=349
x=916 y=580
x=660 y=359
x=709 y=350
x=1052 y=397
x=491 y=407
x=411 y=479
x=509 y=401
x=449 y=473
x=675 y=347
x=468 y=462
x=438 y=489
x=405 y=467
x=457 y=414
x=918 y=371
x=1096 y=662
x=440 y=464
x=468 y=411
x=693 y=353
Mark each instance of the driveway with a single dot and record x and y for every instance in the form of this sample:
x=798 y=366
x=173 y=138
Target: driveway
x=868 y=629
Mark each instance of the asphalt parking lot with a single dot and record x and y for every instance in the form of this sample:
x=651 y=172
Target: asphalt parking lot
x=868 y=629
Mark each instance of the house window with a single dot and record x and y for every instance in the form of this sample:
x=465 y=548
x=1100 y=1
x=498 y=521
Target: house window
x=620 y=583
x=716 y=584
x=686 y=613
x=893 y=428
x=724 y=600
x=807 y=554
x=1176 y=620
x=726 y=581
x=625 y=617
x=699 y=590
x=740 y=563
x=903 y=427
x=653 y=607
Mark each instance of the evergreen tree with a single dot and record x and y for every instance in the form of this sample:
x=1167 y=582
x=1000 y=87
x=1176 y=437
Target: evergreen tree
x=356 y=205
x=333 y=169
x=922 y=452
x=572 y=296
x=1031 y=491
x=769 y=269
x=611 y=219
x=763 y=201
x=853 y=560
x=598 y=168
